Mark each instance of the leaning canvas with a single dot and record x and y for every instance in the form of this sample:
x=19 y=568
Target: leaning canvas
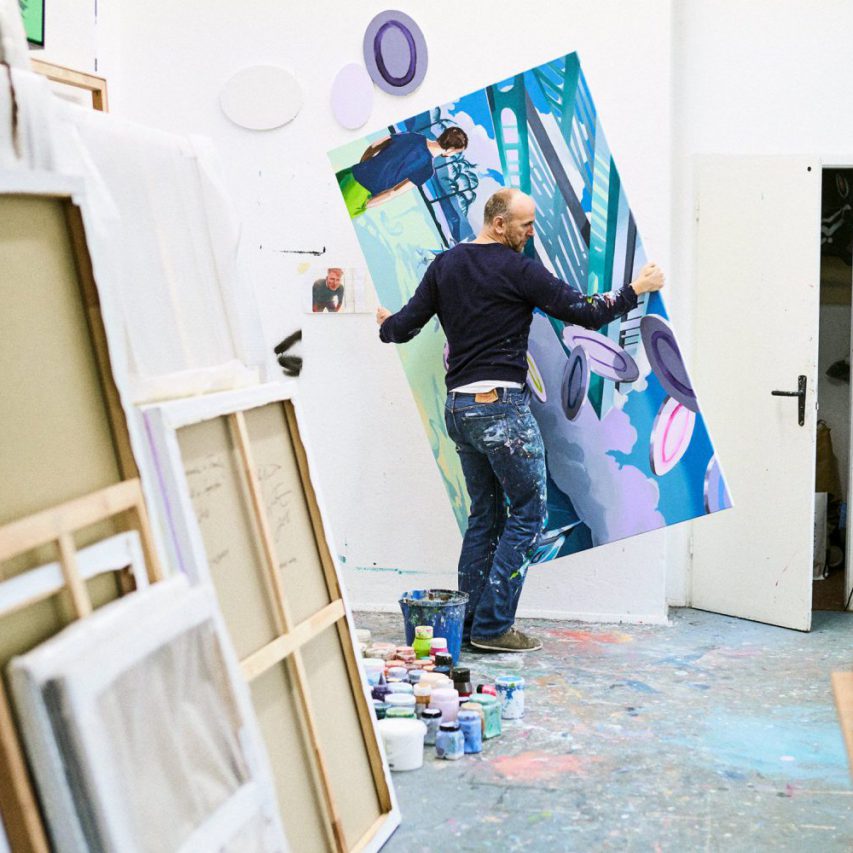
x=627 y=448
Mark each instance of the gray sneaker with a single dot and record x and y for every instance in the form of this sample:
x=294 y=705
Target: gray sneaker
x=510 y=641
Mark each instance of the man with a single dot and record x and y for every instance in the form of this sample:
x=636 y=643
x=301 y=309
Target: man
x=327 y=294
x=394 y=165
x=484 y=294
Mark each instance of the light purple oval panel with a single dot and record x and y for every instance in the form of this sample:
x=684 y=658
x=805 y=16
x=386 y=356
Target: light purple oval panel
x=605 y=357
x=395 y=52
x=352 y=96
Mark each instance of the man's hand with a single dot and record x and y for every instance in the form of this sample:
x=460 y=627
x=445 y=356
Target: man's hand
x=649 y=279
x=382 y=314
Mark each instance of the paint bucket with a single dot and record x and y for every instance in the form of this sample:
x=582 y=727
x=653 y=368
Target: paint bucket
x=443 y=609
x=511 y=695
x=404 y=743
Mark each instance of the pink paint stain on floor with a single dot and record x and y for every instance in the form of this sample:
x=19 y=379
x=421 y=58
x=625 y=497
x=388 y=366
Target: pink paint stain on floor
x=538 y=766
x=589 y=638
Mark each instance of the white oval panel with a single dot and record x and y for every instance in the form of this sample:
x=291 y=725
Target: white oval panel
x=352 y=96
x=261 y=97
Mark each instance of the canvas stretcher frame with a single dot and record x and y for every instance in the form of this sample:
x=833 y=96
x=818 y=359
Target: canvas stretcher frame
x=292 y=638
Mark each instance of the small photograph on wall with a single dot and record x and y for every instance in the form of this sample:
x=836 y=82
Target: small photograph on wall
x=337 y=290
x=627 y=448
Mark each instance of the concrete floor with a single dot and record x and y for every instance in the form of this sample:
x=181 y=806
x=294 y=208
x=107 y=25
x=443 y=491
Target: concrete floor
x=709 y=734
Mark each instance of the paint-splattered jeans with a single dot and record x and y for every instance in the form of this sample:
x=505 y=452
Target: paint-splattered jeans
x=503 y=459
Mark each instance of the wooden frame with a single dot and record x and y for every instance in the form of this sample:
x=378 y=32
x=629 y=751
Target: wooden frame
x=57 y=525
x=232 y=419
x=92 y=83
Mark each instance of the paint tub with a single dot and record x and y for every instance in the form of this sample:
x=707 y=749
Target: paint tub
x=431 y=718
x=449 y=742
x=478 y=710
x=392 y=712
x=443 y=609
x=399 y=687
x=401 y=700
x=423 y=636
x=446 y=699
x=374 y=671
x=404 y=743
x=472 y=730
x=491 y=713
x=511 y=695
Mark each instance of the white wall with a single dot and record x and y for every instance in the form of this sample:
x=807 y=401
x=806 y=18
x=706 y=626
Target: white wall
x=763 y=77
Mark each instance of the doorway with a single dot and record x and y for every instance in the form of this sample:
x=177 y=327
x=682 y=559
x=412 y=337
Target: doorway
x=833 y=458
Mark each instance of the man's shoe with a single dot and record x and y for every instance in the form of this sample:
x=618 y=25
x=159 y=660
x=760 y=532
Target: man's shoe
x=510 y=641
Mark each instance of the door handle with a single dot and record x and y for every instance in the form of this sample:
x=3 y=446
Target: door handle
x=800 y=393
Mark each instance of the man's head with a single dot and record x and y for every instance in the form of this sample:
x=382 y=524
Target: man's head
x=509 y=218
x=334 y=276
x=453 y=140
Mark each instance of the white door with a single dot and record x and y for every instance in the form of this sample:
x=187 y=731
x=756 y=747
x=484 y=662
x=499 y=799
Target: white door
x=757 y=311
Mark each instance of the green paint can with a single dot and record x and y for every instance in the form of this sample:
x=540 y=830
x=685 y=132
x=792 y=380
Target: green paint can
x=491 y=713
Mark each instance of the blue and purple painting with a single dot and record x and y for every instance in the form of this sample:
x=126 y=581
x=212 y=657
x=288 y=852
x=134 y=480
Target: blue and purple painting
x=627 y=448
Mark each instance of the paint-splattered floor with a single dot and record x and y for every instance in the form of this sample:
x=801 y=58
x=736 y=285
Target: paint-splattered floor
x=709 y=734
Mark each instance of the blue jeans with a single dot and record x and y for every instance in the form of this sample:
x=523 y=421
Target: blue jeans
x=503 y=460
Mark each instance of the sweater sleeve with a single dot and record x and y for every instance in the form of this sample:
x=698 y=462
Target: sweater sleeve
x=563 y=302
x=410 y=319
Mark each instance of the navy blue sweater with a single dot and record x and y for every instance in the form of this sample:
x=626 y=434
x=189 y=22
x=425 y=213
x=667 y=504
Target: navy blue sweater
x=484 y=295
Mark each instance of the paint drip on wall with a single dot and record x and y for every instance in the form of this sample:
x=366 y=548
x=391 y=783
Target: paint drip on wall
x=627 y=448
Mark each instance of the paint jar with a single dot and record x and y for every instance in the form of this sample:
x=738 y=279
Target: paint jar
x=401 y=700
x=396 y=673
x=423 y=694
x=472 y=731
x=362 y=635
x=383 y=651
x=491 y=713
x=444 y=664
x=511 y=695
x=404 y=743
x=438 y=645
x=406 y=654
x=478 y=710
x=449 y=742
x=431 y=718
x=399 y=687
x=374 y=671
x=462 y=682
x=446 y=699
x=414 y=676
x=380 y=692
x=395 y=713
x=423 y=635
x=380 y=709
x=487 y=689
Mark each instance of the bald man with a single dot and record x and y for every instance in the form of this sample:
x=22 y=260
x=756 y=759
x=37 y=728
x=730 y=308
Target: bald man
x=484 y=294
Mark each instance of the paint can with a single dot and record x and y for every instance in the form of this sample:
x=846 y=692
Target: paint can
x=399 y=687
x=404 y=743
x=478 y=710
x=435 y=679
x=491 y=713
x=444 y=664
x=462 y=682
x=401 y=700
x=392 y=712
x=441 y=609
x=449 y=742
x=431 y=718
x=511 y=695
x=446 y=699
x=472 y=731
x=438 y=646
x=423 y=635
x=380 y=709
x=414 y=676
x=406 y=654
x=396 y=673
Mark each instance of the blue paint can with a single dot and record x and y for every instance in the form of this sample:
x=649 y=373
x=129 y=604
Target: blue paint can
x=443 y=609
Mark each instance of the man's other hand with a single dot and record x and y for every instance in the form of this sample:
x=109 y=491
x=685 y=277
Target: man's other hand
x=382 y=314
x=649 y=279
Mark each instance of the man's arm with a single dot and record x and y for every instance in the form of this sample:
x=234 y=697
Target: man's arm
x=562 y=301
x=387 y=195
x=409 y=320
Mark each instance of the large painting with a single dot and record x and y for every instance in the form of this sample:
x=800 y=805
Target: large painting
x=627 y=448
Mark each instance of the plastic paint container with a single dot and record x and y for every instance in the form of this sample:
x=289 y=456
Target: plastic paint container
x=449 y=742
x=446 y=699
x=478 y=710
x=396 y=673
x=423 y=694
x=399 y=687
x=380 y=709
x=380 y=692
x=374 y=671
x=511 y=695
x=401 y=700
x=491 y=714
x=436 y=679
x=462 y=682
x=472 y=731
x=404 y=743
x=438 y=646
x=423 y=635
x=414 y=676
x=406 y=654
x=362 y=635
x=395 y=713
x=431 y=718
x=442 y=609
x=444 y=663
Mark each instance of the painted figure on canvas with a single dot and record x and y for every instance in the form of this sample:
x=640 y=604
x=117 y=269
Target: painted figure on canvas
x=395 y=164
x=626 y=447
x=484 y=293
